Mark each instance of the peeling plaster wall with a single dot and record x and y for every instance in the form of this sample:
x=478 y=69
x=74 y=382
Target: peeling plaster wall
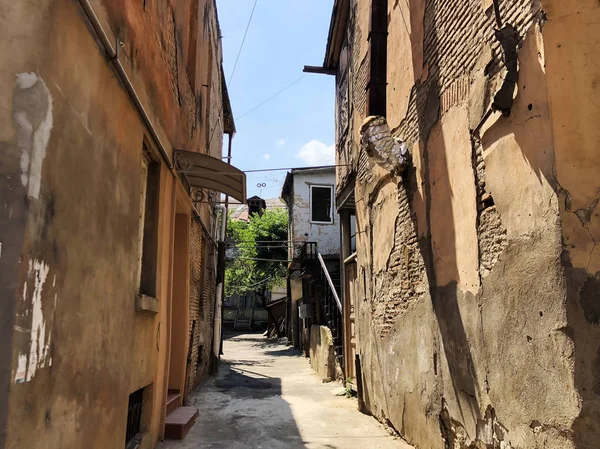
x=477 y=290
x=73 y=346
x=326 y=235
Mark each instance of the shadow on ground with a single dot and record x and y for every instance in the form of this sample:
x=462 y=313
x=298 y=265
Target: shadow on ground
x=266 y=396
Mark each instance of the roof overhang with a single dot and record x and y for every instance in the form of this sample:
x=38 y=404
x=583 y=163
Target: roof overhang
x=286 y=189
x=337 y=27
x=206 y=172
x=228 y=121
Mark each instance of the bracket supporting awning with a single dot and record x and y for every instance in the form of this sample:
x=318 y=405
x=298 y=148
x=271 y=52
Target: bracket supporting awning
x=206 y=172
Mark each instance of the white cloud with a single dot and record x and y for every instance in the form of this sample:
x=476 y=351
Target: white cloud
x=316 y=152
x=267 y=156
x=280 y=143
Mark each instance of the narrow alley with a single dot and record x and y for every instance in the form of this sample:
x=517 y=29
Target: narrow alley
x=266 y=396
x=220 y=218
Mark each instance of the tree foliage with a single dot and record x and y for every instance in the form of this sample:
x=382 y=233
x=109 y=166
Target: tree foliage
x=263 y=237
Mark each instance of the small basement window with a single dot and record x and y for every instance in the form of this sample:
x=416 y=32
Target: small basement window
x=134 y=416
x=321 y=204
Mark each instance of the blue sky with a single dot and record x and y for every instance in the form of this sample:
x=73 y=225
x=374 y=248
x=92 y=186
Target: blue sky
x=295 y=129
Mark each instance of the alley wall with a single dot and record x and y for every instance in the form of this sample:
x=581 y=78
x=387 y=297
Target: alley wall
x=72 y=143
x=477 y=292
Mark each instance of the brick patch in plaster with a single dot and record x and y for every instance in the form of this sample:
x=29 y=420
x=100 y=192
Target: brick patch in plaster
x=491 y=233
x=404 y=277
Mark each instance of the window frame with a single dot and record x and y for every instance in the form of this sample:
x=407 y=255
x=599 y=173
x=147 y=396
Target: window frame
x=331 y=205
x=147 y=283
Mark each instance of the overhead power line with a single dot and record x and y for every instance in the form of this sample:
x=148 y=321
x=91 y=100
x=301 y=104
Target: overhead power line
x=263 y=260
x=232 y=173
x=267 y=241
x=234 y=66
x=270 y=98
x=243 y=41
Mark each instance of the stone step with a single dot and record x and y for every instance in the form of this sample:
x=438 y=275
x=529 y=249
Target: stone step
x=179 y=422
x=172 y=400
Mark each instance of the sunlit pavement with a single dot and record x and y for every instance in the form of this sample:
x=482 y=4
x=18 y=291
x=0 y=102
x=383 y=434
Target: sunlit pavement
x=267 y=396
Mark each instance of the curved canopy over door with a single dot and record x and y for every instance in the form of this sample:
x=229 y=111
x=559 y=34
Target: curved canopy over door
x=206 y=172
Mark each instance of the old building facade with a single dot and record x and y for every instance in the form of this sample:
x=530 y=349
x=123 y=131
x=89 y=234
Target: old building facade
x=314 y=249
x=108 y=232
x=472 y=296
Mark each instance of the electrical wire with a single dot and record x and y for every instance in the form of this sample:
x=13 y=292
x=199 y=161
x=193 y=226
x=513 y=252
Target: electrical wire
x=270 y=98
x=232 y=173
x=263 y=260
x=234 y=67
x=268 y=241
x=242 y=44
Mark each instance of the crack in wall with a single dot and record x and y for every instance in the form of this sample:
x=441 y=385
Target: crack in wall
x=584 y=215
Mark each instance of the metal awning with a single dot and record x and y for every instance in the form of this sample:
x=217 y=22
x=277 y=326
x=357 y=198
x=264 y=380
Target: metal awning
x=207 y=172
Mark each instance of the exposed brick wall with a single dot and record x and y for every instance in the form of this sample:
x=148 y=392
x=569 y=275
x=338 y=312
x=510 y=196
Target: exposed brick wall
x=455 y=33
x=156 y=41
x=196 y=266
x=202 y=295
x=457 y=37
x=404 y=279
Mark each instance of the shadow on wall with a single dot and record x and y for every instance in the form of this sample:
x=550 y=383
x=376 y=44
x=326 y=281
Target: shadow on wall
x=583 y=288
x=440 y=250
x=437 y=236
x=583 y=314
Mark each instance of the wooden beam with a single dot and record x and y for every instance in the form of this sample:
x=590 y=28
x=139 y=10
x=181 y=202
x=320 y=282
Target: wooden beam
x=319 y=70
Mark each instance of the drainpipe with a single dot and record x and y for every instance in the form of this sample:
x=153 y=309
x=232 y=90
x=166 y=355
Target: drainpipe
x=218 y=320
x=378 y=35
x=112 y=53
x=229 y=142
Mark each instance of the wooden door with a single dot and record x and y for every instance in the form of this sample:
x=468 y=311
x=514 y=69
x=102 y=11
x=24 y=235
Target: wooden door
x=349 y=320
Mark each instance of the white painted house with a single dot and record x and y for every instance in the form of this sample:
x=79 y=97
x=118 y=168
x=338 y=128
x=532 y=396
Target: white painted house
x=313 y=219
x=310 y=196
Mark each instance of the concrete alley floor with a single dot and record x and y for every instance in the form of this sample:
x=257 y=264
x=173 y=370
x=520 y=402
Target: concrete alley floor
x=267 y=396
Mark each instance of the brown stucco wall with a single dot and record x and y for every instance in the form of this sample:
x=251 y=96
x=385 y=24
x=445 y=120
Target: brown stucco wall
x=477 y=288
x=73 y=345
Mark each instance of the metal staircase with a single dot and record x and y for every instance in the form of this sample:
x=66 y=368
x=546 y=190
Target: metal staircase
x=332 y=306
x=323 y=287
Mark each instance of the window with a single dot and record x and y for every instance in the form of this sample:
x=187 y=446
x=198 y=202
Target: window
x=134 y=415
x=191 y=59
x=352 y=233
x=148 y=233
x=321 y=204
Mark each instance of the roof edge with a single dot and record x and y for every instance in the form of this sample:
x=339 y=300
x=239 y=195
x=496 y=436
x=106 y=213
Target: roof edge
x=337 y=26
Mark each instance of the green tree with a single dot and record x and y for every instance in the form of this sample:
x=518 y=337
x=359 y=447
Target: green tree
x=256 y=251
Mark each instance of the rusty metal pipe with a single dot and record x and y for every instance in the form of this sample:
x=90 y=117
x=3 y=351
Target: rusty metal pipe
x=112 y=53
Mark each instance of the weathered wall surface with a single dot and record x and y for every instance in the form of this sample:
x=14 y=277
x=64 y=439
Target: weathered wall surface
x=327 y=235
x=71 y=144
x=477 y=287
x=573 y=77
